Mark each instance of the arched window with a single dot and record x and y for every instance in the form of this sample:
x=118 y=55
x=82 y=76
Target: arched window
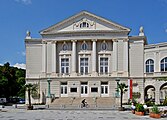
x=149 y=66
x=65 y=47
x=84 y=25
x=84 y=46
x=164 y=64
x=104 y=46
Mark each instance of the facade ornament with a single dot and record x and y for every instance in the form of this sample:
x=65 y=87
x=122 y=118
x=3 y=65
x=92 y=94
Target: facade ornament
x=28 y=34
x=141 y=31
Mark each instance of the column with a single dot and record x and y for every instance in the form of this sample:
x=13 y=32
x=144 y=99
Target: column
x=74 y=51
x=44 y=56
x=54 y=57
x=94 y=56
x=115 y=57
x=125 y=57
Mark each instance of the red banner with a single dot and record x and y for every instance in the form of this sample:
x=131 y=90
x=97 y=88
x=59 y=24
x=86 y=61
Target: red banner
x=131 y=86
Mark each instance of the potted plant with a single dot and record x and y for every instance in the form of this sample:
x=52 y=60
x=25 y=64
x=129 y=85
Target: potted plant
x=30 y=88
x=123 y=88
x=155 y=113
x=139 y=109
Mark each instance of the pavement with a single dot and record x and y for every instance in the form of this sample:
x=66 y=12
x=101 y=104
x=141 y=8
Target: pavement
x=11 y=113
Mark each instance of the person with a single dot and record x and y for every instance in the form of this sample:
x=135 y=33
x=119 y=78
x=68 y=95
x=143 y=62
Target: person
x=133 y=107
x=84 y=102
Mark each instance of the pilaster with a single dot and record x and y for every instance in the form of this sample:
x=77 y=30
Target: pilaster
x=74 y=57
x=94 y=72
x=115 y=56
x=54 y=58
x=125 y=57
x=44 y=57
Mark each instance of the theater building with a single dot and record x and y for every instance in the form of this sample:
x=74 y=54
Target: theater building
x=86 y=56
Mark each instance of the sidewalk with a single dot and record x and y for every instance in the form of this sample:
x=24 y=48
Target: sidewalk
x=18 y=114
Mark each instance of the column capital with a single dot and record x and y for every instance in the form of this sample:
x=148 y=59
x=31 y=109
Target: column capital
x=44 y=42
x=125 y=40
x=94 y=40
x=54 y=42
x=73 y=40
x=115 y=40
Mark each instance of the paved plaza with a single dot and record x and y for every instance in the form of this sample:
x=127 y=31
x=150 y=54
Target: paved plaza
x=23 y=114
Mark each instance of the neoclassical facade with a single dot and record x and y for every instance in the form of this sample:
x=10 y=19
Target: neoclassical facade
x=84 y=55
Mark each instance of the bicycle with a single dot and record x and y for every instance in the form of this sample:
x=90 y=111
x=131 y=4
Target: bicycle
x=85 y=106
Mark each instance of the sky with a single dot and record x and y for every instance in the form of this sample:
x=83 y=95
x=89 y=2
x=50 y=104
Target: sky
x=18 y=16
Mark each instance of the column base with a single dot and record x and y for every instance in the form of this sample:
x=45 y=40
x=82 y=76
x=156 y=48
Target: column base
x=48 y=100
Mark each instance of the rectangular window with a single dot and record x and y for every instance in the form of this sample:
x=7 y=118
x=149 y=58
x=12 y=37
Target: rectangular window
x=73 y=89
x=84 y=66
x=64 y=65
x=103 y=65
x=94 y=89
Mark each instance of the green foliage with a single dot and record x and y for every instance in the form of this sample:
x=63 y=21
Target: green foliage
x=30 y=88
x=155 y=110
x=150 y=103
x=12 y=80
x=122 y=87
x=162 y=78
x=136 y=94
x=165 y=101
x=139 y=108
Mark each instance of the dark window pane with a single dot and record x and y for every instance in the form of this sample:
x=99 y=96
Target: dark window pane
x=147 y=68
x=86 y=91
x=106 y=89
x=61 y=90
x=162 y=67
x=81 y=89
x=94 y=89
x=102 y=89
x=65 y=90
x=73 y=89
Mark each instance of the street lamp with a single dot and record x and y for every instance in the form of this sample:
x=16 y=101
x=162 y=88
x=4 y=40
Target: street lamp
x=49 y=81
x=117 y=89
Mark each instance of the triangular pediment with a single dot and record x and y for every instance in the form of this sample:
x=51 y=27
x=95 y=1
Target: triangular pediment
x=84 y=21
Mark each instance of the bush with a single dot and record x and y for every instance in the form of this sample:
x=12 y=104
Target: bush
x=155 y=110
x=139 y=108
x=149 y=103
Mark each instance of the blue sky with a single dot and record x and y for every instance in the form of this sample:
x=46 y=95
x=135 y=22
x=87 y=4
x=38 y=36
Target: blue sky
x=18 y=16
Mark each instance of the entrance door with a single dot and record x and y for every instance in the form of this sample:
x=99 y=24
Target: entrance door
x=104 y=91
x=63 y=90
x=84 y=90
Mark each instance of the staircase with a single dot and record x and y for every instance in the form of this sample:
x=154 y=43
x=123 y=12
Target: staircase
x=75 y=102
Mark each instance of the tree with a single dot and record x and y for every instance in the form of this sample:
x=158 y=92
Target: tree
x=123 y=88
x=30 y=88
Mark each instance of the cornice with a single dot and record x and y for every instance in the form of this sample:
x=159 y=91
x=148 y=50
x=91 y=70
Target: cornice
x=87 y=31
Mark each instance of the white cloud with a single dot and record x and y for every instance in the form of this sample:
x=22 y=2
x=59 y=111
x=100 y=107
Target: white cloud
x=18 y=65
x=166 y=30
x=26 y=2
x=21 y=53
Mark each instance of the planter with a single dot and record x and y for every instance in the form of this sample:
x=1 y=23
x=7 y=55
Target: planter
x=29 y=107
x=133 y=111
x=139 y=113
x=121 y=108
x=154 y=115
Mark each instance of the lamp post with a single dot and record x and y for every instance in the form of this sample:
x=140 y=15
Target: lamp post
x=49 y=81
x=117 y=90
